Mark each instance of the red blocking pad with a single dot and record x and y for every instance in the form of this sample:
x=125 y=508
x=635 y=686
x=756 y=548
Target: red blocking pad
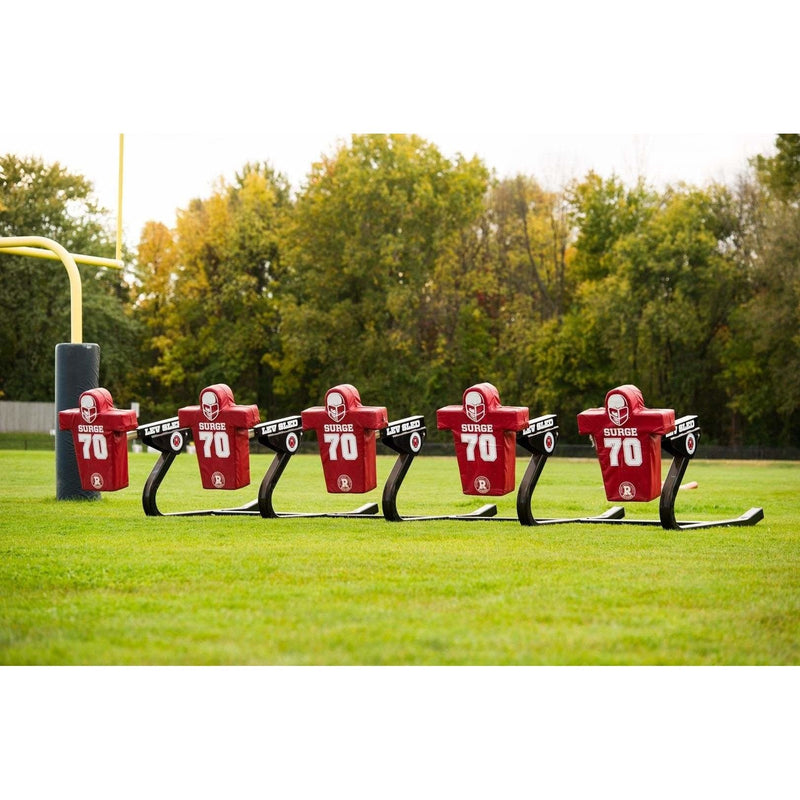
x=221 y=433
x=627 y=438
x=484 y=432
x=100 y=436
x=346 y=432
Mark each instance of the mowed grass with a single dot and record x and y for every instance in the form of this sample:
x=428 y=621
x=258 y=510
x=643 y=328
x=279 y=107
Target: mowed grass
x=95 y=583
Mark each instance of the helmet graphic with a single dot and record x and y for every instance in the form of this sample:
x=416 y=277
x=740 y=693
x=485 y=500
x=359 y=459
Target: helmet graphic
x=617 y=407
x=335 y=406
x=475 y=406
x=88 y=408
x=210 y=404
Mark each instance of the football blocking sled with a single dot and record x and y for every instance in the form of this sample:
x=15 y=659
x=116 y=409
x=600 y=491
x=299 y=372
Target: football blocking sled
x=345 y=430
x=627 y=438
x=405 y=437
x=486 y=434
x=170 y=439
x=220 y=430
x=100 y=439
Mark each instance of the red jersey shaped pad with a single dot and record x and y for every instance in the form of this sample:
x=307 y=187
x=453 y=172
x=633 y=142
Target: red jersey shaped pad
x=221 y=434
x=627 y=438
x=100 y=436
x=485 y=437
x=346 y=433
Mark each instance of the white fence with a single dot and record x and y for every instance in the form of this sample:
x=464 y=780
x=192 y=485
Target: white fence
x=18 y=417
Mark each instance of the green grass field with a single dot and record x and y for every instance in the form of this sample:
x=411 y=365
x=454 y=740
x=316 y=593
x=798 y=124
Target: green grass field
x=96 y=583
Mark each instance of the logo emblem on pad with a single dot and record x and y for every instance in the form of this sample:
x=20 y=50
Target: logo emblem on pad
x=336 y=407
x=475 y=406
x=88 y=409
x=618 y=409
x=210 y=405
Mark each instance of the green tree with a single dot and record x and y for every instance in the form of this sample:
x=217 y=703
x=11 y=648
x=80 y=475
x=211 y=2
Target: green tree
x=153 y=297
x=38 y=199
x=530 y=242
x=583 y=352
x=781 y=173
x=761 y=358
x=682 y=288
x=379 y=261
x=206 y=293
x=662 y=276
x=603 y=211
x=762 y=355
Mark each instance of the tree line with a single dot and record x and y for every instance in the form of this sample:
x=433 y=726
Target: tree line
x=413 y=276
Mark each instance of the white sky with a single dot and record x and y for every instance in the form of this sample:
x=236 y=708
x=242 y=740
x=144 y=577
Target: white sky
x=200 y=88
x=163 y=171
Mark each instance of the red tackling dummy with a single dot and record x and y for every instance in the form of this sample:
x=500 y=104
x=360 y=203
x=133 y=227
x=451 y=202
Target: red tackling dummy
x=221 y=434
x=346 y=433
x=484 y=432
x=627 y=438
x=100 y=436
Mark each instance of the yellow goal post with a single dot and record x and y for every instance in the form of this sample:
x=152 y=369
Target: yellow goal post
x=42 y=247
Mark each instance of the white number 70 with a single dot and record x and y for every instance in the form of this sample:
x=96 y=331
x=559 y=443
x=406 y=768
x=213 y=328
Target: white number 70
x=631 y=450
x=486 y=444
x=220 y=441
x=348 y=442
x=94 y=443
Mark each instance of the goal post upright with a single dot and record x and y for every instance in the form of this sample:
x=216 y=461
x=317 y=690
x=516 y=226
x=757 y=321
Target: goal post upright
x=77 y=364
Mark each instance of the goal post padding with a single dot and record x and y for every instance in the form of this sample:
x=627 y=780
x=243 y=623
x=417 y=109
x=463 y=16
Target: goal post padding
x=77 y=371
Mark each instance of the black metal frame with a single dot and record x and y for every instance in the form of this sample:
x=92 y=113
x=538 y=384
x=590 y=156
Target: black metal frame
x=283 y=436
x=406 y=437
x=170 y=439
x=682 y=445
x=540 y=439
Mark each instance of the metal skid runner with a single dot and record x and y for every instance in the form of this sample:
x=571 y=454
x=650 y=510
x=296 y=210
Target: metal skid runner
x=539 y=439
